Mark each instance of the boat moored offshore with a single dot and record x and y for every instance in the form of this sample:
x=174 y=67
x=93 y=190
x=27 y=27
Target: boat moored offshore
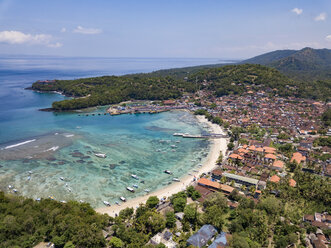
x=100 y=155
x=134 y=176
x=130 y=189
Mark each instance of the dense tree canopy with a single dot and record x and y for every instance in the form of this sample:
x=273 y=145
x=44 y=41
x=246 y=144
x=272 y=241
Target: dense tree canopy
x=25 y=222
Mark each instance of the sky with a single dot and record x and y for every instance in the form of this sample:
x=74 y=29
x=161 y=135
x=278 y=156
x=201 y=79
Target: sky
x=224 y=29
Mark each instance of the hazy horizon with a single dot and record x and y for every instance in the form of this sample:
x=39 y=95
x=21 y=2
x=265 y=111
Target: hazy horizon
x=169 y=29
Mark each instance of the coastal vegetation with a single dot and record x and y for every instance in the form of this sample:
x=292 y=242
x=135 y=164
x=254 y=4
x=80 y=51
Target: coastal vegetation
x=25 y=222
x=219 y=80
x=89 y=92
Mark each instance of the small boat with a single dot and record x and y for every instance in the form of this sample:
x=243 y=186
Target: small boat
x=142 y=181
x=123 y=199
x=134 y=176
x=147 y=190
x=178 y=134
x=135 y=186
x=168 y=172
x=173 y=146
x=69 y=189
x=61 y=178
x=200 y=165
x=175 y=179
x=130 y=189
x=30 y=172
x=63 y=201
x=177 y=141
x=100 y=155
x=38 y=199
x=106 y=203
x=10 y=186
x=15 y=190
x=81 y=201
x=29 y=178
x=117 y=203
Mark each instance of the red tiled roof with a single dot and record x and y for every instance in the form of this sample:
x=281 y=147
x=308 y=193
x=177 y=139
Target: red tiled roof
x=278 y=164
x=271 y=156
x=297 y=157
x=209 y=183
x=274 y=179
x=292 y=182
x=235 y=156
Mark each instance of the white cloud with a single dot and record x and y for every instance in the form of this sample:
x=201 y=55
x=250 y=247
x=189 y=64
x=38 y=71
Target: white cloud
x=63 y=30
x=17 y=37
x=328 y=38
x=297 y=11
x=82 y=30
x=321 y=17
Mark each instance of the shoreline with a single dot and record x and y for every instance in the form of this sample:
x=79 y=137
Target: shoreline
x=216 y=147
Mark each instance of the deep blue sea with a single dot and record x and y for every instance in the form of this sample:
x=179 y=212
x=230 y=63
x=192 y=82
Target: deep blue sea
x=46 y=154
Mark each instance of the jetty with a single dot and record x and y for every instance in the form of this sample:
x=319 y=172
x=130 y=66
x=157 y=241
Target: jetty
x=201 y=136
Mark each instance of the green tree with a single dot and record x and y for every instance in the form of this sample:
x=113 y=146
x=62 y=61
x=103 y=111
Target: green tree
x=116 y=243
x=230 y=146
x=238 y=241
x=170 y=219
x=216 y=199
x=152 y=201
x=69 y=245
x=126 y=213
x=214 y=215
x=190 y=213
x=193 y=193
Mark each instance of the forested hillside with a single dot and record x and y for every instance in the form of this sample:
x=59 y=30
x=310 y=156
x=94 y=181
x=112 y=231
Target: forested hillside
x=112 y=89
x=306 y=64
x=225 y=80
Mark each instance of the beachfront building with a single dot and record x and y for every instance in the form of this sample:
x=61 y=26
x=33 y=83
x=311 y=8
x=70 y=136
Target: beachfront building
x=215 y=186
x=247 y=181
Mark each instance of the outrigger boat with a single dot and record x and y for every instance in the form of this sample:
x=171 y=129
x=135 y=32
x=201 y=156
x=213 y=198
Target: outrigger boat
x=134 y=176
x=100 y=155
x=130 y=189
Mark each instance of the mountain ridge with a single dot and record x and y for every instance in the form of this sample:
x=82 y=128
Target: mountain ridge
x=304 y=64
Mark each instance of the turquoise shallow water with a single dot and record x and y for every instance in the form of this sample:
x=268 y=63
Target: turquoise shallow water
x=63 y=145
x=135 y=144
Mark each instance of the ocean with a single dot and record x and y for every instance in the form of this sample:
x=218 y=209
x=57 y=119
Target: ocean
x=45 y=154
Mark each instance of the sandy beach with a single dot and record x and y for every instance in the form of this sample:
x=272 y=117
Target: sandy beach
x=216 y=146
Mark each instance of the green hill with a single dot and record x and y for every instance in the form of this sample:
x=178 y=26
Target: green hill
x=305 y=64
